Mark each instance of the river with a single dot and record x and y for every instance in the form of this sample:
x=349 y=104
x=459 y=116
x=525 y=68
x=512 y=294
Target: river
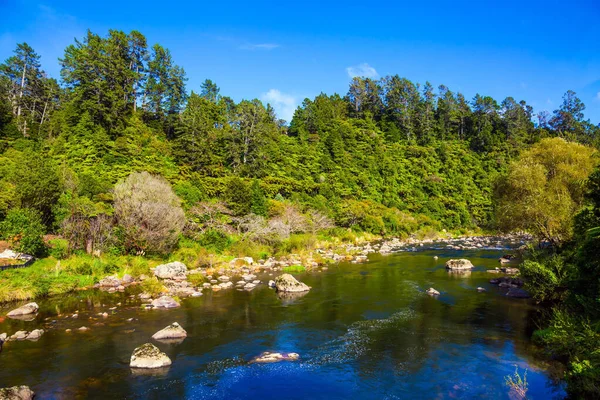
x=364 y=331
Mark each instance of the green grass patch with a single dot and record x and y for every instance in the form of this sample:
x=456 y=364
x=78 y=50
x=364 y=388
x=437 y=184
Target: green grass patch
x=294 y=269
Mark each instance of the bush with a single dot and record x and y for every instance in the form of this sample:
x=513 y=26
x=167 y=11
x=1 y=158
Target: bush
x=149 y=212
x=546 y=280
x=24 y=230
x=59 y=248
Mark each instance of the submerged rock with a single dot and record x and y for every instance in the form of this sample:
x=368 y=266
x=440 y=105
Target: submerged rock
x=459 y=264
x=19 y=335
x=518 y=293
x=480 y=289
x=149 y=356
x=432 y=292
x=173 y=331
x=16 y=393
x=268 y=357
x=287 y=283
x=27 y=309
x=165 y=302
x=174 y=270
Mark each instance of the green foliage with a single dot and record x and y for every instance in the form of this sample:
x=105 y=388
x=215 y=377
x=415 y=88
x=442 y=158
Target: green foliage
x=543 y=189
x=258 y=202
x=239 y=196
x=547 y=280
x=518 y=385
x=294 y=269
x=153 y=286
x=24 y=230
x=59 y=248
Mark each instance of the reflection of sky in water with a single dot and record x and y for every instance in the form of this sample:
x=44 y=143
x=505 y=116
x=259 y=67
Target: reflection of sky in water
x=365 y=331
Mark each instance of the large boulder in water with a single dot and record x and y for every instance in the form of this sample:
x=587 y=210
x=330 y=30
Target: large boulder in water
x=518 y=293
x=149 y=356
x=165 y=302
x=16 y=393
x=110 y=281
x=173 y=270
x=27 y=309
x=173 y=331
x=287 y=283
x=461 y=264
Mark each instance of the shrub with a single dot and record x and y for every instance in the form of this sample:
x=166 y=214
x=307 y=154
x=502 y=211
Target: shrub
x=153 y=286
x=59 y=248
x=24 y=230
x=149 y=212
x=546 y=280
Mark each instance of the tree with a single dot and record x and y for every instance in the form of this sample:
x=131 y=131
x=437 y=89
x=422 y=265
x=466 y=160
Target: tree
x=149 y=212
x=210 y=91
x=543 y=189
x=239 y=197
x=165 y=89
x=259 y=201
x=23 y=229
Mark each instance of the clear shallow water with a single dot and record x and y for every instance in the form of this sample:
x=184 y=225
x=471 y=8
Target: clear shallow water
x=363 y=331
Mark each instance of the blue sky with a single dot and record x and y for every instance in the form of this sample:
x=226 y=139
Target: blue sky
x=285 y=51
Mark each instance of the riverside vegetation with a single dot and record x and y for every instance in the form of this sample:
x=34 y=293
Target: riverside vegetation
x=117 y=169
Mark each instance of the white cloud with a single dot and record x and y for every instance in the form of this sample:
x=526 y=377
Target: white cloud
x=362 y=70
x=260 y=46
x=284 y=104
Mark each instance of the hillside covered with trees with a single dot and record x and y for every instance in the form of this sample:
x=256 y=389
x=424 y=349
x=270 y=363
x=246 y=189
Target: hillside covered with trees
x=117 y=157
x=389 y=157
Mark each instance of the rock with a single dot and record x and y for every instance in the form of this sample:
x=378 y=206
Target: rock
x=165 y=302
x=173 y=331
x=104 y=315
x=242 y=261
x=16 y=393
x=432 y=292
x=248 y=277
x=510 y=271
x=3 y=337
x=272 y=284
x=35 y=334
x=144 y=296
x=226 y=285
x=149 y=356
x=518 y=293
x=83 y=329
x=127 y=279
x=9 y=254
x=174 y=270
x=268 y=357
x=480 y=289
x=287 y=283
x=110 y=281
x=19 y=335
x=249 y=286
x=223 y=278
x=27 y=309
x=256 y=281
x=435 y=257
x=459 y=264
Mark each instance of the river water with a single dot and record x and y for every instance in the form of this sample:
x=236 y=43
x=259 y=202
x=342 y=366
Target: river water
x=364 y=331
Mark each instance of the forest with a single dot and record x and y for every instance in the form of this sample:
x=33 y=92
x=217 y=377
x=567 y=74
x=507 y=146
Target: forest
x=117 y=157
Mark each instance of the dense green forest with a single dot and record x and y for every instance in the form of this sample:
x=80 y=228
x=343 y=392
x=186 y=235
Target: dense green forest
x=119 y=142
x=388 y=157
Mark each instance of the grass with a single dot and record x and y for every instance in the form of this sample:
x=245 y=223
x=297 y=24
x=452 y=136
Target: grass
x=518 y=385
x=294 y=269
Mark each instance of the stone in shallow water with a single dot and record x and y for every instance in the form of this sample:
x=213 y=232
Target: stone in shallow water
x=174 y=270
x=268 y=357
x=16 y=393
x=459 y=264
x=149 y=356
x=287 y=283
x=173 y=331
x=30 y=308
x=432 y=292
x=35 y=334
x=165 y=302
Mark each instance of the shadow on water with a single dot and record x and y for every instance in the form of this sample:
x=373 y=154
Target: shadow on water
x=363 y=331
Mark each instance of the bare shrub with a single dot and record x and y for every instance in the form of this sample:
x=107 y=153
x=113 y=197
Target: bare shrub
x=319 y=221
x=208 y=215
x=149 y=212
x=287 y=221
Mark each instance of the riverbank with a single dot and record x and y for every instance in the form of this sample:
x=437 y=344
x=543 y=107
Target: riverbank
x=51 y=276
